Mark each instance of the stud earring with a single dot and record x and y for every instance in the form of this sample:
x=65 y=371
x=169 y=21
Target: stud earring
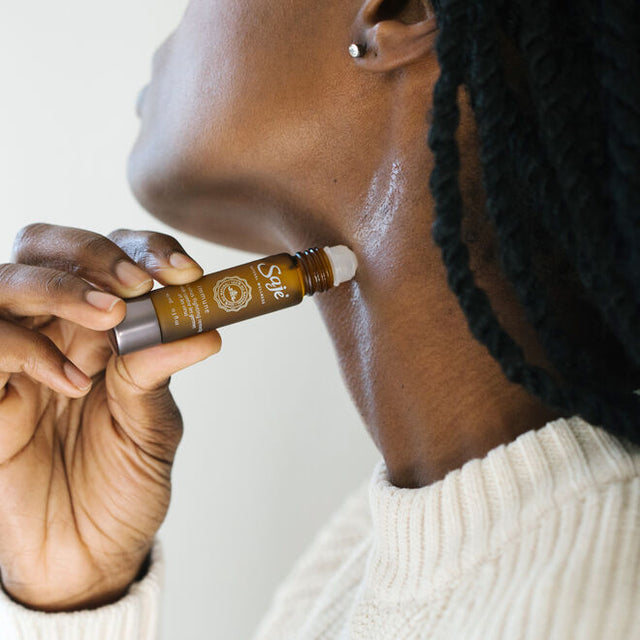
x=357 y=50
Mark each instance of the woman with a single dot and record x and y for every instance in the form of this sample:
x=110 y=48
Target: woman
x=489 y=340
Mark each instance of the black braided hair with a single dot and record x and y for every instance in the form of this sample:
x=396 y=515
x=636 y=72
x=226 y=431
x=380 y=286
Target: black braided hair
x=561 y=174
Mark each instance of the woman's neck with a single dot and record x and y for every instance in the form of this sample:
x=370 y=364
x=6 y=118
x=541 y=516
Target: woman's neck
x=431 y=396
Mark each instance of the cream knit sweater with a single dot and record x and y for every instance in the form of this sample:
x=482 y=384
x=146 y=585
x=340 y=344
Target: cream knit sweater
x=538 y=540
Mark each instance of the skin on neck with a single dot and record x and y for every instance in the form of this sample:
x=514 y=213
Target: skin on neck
x=337 y=154
x=431 y=396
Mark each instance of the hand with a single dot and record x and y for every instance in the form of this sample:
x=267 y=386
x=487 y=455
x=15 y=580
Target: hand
x=85 y=462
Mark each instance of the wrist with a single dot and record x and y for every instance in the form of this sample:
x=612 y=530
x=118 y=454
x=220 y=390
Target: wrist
x=67 y=593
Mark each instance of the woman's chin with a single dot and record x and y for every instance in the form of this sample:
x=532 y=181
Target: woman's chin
x=154 y=179
x=225 y=215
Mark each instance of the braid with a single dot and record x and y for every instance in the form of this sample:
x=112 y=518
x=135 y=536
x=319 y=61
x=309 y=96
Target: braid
x=580 y=184
x=566 y=167
x=447 y=228
x=620 y=51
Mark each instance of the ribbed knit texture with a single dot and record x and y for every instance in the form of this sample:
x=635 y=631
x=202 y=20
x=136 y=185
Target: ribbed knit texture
x=538 y=540
x=134 y=617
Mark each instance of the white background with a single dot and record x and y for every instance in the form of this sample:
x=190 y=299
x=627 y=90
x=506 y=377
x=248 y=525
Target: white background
x=272 y=442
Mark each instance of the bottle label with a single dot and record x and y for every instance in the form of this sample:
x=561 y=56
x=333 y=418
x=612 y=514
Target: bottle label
x=228 y=296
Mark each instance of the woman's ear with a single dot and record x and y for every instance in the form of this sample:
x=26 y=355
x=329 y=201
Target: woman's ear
x=393 y=33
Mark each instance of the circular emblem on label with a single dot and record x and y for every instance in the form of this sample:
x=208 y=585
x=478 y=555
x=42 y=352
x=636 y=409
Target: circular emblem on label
x=232 y=293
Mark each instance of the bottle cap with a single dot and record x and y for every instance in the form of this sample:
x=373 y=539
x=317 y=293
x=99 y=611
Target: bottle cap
x=139 y=329
x=343 y=263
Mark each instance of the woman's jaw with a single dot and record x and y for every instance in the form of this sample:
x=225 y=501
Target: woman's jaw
x=260 y=132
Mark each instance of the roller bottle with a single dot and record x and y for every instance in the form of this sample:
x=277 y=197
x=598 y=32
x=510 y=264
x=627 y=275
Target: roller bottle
x=233 y=295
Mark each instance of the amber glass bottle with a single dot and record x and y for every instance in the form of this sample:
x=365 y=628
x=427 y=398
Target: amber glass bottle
x=230 y=296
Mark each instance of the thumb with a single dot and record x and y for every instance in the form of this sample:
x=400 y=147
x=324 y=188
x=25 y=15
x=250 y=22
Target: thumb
x=138 y=391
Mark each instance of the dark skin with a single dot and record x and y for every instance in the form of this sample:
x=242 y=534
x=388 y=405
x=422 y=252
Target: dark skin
x=259 y=132
x=84 y=461
x=295 y=159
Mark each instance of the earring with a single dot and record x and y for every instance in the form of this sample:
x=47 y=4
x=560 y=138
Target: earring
x=357 y=50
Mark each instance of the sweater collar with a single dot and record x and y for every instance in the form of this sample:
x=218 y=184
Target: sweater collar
x=423 y=537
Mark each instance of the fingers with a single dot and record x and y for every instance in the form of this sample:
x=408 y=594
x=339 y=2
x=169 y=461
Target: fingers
x=159 y=254
x=150 y=369
x=35 y=291
x=139 y=397
x=35 y=355
x=121 y=263
x=83 y=253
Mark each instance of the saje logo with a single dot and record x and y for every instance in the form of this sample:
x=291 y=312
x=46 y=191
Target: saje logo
x=232 y=293
x=275 y=284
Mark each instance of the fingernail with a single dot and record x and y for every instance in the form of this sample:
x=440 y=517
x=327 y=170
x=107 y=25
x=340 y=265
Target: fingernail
x=131 y=276
x=101 y=300
x=180 y=261
x=76 y=377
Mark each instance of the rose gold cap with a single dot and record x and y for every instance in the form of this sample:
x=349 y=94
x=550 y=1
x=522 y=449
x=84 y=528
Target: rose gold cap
x=139 y=329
